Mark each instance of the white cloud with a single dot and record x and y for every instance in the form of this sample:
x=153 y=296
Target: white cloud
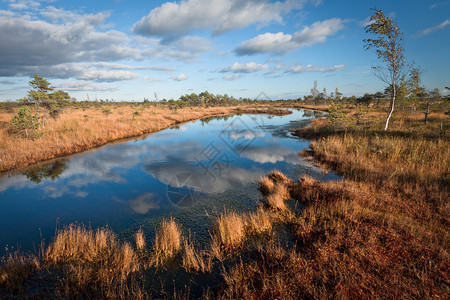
x=193 y=44
x=312 y=68
x=83 y=71
x=115 y=66
x=99 y=75
x=179 y=77
x=175 y=19
x=23 y=4
x=232 y=77
x=298 y=68
x=152 y=79
x=144 y=203
x=29 y=45
x=86 y=86
x=60 y=44
x=280 y=43
x=274 y=60
x=247 y=68
x=433 y=29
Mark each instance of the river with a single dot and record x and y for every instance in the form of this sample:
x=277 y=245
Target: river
x=191 y=172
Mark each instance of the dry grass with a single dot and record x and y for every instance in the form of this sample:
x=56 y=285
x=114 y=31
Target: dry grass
x=274 y=188
x=168 y=239
x=276 y=200
x=78 y=263
x=229 y=232
x=259 y=221
x=194 y=259
x=140 y=240
x=15 y=269
x=381 y=233
x=77 y=130
x=266 y=185
x=93 y=261
x=278 y=177
x=350 y=243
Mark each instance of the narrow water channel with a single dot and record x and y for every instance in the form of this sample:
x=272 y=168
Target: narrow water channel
x=191 y=172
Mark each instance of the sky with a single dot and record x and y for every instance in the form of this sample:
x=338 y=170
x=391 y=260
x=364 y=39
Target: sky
x=258 y=49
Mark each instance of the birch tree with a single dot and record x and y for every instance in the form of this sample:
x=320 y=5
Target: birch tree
x=388 y=45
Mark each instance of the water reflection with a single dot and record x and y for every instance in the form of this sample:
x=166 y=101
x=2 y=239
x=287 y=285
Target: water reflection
x=178 y=168
x=51 y=170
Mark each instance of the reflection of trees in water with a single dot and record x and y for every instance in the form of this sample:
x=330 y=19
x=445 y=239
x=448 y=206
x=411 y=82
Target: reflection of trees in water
x=312 y=113
x=51 y=170
x=308 y=113
x=209 y=119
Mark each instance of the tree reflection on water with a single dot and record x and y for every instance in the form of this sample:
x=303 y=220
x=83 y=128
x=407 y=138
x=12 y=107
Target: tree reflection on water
x=51 y=170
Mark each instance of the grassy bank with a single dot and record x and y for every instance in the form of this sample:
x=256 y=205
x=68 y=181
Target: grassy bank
x=77 y=130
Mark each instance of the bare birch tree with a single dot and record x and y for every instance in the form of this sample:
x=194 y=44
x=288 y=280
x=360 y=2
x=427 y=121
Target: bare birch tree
x=388 y=46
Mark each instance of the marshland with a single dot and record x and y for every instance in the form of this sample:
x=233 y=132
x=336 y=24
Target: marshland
x=309 y=195
x=257 y=200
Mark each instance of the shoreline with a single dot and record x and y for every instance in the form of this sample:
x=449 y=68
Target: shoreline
x=22 y=159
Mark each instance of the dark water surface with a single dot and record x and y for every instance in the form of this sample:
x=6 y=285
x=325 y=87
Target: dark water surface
x=191 y=172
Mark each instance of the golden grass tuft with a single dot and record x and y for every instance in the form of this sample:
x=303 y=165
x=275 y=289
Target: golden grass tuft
x=274 y=188
x=278 y=177
x=266 y=185
x=194 y=260
x=140 y=239
x=229 y=230
x=91 y=260
x=259 y=221
x=276 y=201
x=168 y=239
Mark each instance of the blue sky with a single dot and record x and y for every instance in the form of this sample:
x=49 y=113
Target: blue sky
x=128 y=50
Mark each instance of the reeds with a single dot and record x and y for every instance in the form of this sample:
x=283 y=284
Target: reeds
x=15 y=269
x=229 y=230
x=195 y=260
x=168 y=239
x=259 y=221
x=140 y=239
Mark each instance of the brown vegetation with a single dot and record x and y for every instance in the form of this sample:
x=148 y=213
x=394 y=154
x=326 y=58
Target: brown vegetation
x=140 y=240
x=274 y=188
x=229 y=230
x=168 y=239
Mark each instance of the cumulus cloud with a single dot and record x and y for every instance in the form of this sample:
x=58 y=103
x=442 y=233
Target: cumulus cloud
x=29 y=44
x=179 y=77
x=176 y=19
x=62 y=44
x=250 y=67
x=433 y=29
x=281 y=43
x=192 y=44
x=83 y=71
